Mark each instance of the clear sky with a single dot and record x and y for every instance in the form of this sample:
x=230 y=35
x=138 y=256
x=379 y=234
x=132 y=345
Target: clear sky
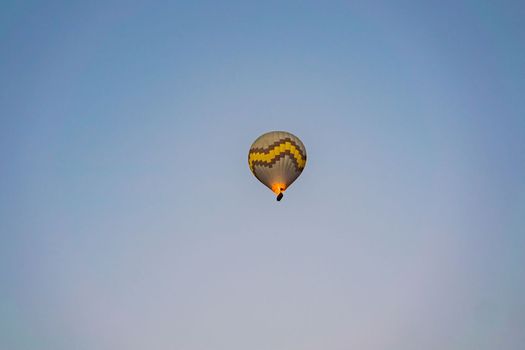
x=129 y=218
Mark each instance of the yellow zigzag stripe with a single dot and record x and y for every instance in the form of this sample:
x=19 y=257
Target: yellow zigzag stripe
x=275 y=152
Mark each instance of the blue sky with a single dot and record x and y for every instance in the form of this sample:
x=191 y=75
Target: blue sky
x=129 y=217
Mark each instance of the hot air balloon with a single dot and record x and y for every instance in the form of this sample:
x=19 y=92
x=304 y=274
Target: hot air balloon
x=277 y=158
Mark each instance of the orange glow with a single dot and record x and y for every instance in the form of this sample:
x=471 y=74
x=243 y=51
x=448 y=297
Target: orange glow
x=278 y=188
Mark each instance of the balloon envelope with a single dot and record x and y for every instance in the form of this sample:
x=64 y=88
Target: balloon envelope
x=277 y=159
